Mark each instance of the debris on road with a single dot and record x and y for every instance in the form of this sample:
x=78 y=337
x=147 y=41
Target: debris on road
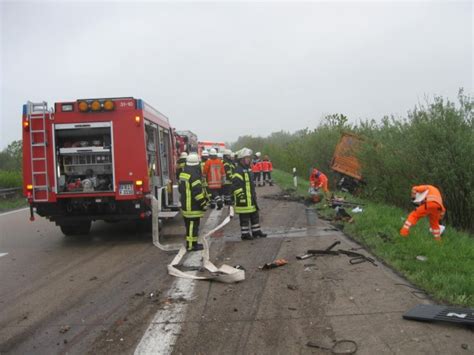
x=140 y=294
x=64 y=329
x=356 y=258
x=93 y=278
x=274 y=264
x=344 y=346
x=292 y=287
x=428 y=312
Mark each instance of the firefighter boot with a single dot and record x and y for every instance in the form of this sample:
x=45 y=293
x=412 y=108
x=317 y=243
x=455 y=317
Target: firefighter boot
x=257 y=232
x=196 y=247
x=245 y=231
x=247 y=236
x=212 y=204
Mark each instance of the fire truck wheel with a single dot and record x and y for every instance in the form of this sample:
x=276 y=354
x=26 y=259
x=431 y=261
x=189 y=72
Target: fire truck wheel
x=79 y=229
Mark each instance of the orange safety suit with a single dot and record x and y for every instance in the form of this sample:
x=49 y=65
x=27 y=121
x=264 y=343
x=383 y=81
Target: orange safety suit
x=267 y=166
x=432 y=206
x=214 y=173
x=319 y=180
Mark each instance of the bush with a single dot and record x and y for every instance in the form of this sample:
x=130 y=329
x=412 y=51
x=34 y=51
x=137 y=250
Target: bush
x=10 y=179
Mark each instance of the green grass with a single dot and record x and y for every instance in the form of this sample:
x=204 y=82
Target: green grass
x=447 y=275
x=12 y=203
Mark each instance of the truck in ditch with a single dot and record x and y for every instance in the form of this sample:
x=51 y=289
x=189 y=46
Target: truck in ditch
x=97 y=159
x=346 y=163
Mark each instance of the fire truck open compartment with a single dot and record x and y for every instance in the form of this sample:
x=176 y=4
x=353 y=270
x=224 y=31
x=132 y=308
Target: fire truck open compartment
x=84 y=157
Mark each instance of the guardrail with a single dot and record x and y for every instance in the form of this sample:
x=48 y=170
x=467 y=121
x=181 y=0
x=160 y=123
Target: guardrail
x=4 y=193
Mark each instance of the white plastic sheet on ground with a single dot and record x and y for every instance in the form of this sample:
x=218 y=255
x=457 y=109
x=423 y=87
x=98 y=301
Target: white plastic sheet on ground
x=225 y=273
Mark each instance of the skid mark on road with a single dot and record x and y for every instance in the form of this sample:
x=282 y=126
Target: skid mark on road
x=162 y=333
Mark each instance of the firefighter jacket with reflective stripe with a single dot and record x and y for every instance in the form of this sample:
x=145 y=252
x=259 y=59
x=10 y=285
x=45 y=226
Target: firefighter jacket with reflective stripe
x=433 y=194
x=245 y=198
x=229 y=171
x=192 y=196
x=214 y=172
x=267 y=166
x=180 y=164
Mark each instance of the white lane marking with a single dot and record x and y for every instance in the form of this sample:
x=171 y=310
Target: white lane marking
x=15 y=211
x=3 y=254
x=163 y=331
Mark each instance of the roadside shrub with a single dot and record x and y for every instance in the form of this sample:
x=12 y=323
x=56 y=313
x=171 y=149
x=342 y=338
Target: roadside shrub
x=10 y=179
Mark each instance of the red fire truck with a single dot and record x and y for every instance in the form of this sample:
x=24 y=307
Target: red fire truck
x=186 y=141
x=97 y=159
x=208 y=145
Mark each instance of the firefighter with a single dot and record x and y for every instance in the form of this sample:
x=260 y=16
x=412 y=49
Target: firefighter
x=193 y=200
x=245 y=198
x=267 y=168
x=318 y=180
x=204 y=158
x=181 y=163
x=257 y=169
x=229 y=171
x=429 y=204
x=214 y=174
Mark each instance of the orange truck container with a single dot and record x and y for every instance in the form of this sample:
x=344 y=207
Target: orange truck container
x=345 y=159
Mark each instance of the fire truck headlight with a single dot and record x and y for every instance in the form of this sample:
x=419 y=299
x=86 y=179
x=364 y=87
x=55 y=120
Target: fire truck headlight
x=29 y=187
x=83 y=106
x=139 y=182
x=95 y=106
x=109 y=105
x=26 y=124
x=137 y=120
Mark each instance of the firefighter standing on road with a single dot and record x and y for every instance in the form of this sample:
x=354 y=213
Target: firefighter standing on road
x=204 y=158
x=245 y=198
x=193 y=200
x=318 y=180
x=229 y=171
x=429 y=204
x=214 y=173
x=181 y=163
x=267 y=168
x=257 y=169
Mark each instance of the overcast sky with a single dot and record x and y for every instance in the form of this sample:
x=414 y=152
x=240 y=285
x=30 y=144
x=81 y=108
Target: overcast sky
x=229 y=69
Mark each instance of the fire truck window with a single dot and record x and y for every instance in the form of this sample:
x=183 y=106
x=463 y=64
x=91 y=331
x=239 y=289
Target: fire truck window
x=151 y=144
x=164 y=150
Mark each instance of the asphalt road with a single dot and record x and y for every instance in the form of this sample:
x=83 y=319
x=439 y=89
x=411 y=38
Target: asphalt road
x=110 y=293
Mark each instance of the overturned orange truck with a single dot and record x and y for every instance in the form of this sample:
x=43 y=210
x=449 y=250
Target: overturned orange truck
x=346 y=163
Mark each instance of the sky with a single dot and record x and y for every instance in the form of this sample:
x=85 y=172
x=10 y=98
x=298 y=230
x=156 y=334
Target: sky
x=226 y=69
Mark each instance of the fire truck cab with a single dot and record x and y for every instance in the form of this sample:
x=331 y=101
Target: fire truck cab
x=97 y=159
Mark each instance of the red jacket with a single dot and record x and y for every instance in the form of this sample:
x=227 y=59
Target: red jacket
x=257 y=167
x=267 y=166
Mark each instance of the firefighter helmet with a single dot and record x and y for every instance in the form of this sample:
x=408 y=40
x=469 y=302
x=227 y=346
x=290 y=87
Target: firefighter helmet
x=192 y=159
x=258 y=154
x=228 y=152
x=213 y=152
x=183 y=155
x=205 y=153
x=244 y=153
x=220 y=155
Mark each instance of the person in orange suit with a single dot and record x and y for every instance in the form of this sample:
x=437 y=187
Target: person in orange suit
x=214 y=172
x=318 y=180
x=429 y=204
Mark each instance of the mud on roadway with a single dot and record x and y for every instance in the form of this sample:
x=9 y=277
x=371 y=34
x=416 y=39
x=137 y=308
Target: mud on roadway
x=110 y=292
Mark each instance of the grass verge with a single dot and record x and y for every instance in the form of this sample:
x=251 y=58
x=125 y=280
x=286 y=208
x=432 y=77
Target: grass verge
x=447 y=274
x=13 y=203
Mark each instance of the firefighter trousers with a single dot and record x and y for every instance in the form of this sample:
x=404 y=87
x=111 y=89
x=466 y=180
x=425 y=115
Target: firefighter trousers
x=227 y=192
x=249 y=222
x=192 y=231
x=267 y=177
x=216 y=198
x=257 y=178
